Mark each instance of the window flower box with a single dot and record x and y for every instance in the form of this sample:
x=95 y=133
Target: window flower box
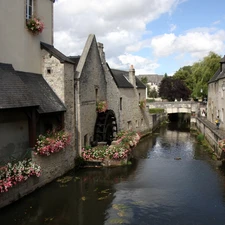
x=14 y=173
x=142 y=104
x=101 y=106
x=35 y=26
x=52 y=142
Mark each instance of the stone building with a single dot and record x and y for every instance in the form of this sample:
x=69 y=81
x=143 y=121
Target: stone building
x=42 y=89
x=216 y=95
x=29 y=106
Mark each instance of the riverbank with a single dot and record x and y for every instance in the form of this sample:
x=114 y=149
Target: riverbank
x=212 y=135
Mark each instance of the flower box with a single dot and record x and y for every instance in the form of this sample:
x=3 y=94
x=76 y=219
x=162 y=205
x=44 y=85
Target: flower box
x=115 y=154
x=101 y=106
x=14 y=173
x=52 y=142
x=35 y=26
x=142 y=104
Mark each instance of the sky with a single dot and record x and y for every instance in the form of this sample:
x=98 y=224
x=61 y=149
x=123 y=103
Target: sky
x=155 y=36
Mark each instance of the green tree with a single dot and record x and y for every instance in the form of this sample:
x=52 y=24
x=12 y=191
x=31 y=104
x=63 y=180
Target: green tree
x=171 y=89
x=202 y=72
x=144 y=80
x=185 y=74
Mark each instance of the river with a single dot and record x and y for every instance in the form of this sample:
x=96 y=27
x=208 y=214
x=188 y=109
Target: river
x=172 y=181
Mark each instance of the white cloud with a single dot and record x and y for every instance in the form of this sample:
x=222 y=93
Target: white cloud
x=115 y=23
x=120 y=26
x=142 y=65
x=172 y=27
x=197 y=44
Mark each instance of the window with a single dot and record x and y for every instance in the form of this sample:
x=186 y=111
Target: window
x=129 y=123
x=29 y=9
x=85 y=140
x=121 y=103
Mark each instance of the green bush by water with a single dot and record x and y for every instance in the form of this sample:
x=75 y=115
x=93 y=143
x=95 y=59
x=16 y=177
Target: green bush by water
x=156 y=110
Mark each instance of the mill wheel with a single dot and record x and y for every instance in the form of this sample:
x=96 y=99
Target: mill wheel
x=105 y=127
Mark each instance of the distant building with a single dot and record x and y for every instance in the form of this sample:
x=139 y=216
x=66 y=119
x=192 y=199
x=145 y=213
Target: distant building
x=153 y=80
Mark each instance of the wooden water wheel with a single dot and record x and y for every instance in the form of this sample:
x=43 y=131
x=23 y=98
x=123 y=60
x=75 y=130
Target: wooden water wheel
x=105 y=127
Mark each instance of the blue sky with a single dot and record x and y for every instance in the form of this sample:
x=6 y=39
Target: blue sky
x=157 y=36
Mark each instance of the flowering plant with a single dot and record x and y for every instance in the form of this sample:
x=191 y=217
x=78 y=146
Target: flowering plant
x=52 y=142
x=142 y=104
x=96 y=153
x=11 y=174
x=101 y=106
x=222 y=144
x=120 y=150
x=35 y=25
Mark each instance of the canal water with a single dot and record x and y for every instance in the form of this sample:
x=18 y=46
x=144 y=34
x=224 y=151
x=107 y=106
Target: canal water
x=172 y=181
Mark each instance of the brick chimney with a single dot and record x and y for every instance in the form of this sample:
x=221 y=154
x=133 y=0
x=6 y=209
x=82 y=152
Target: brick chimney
x=132 y=76
x=101 y=52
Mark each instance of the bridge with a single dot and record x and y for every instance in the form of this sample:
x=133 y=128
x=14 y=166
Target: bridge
x=176 y=107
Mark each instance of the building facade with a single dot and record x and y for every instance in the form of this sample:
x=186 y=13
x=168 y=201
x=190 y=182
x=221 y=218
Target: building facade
x=216 y=96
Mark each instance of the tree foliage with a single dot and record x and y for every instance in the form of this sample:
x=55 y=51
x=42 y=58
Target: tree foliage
x=197 y=76
x=144 y=80
x=171 y=88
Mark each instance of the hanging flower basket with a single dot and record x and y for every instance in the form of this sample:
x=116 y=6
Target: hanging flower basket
x=101 y=106
x=35 y=26
x=14 y=173
x=52 y=142
x=142 y=104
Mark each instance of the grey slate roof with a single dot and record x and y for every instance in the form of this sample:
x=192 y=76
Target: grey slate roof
x=220 y=74
x=21 y=89
x=56 y=53
x=75 y=59
x=13 y=92
x=121 y=79
x=47 y=100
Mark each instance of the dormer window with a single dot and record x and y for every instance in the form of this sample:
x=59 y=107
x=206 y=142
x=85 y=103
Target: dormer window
x=29 y=9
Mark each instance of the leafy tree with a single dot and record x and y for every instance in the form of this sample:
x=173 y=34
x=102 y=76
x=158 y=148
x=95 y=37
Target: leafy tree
x=185 y=74
x=197 y=76
x=202 y=72
x=144 y=80
x=171 y=89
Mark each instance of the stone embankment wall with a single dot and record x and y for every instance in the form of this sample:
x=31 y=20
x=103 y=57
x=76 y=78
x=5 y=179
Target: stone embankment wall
x=52 y=166
x=212 y=135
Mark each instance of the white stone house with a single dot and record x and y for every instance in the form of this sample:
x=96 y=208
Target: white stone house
x=216 y=96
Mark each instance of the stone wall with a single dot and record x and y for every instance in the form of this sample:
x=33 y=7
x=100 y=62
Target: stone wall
x=92 y=88
x=211 y=136
x=14 y=135
x=52 y=166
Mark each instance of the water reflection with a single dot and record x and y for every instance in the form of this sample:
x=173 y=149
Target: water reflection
x=155 y=189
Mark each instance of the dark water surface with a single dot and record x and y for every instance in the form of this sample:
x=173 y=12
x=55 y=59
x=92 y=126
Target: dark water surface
x=157 y=189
